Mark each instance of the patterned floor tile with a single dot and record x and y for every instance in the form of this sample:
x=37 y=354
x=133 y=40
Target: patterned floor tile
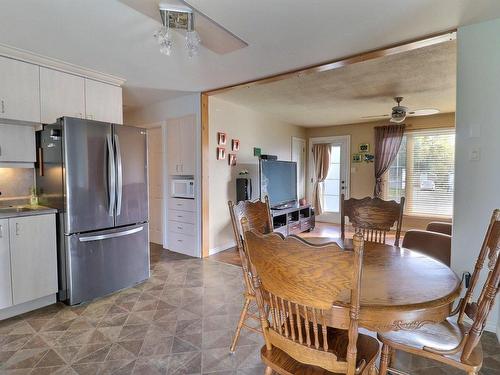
x=180 y=322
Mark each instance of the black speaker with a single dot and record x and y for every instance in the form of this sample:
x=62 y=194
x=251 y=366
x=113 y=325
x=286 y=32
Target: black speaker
x=243 y=189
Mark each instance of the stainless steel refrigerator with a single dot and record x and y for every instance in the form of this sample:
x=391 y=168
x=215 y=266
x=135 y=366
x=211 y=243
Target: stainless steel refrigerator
x=95 y=174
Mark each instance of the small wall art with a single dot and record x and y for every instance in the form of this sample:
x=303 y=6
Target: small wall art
x=221 y=153
x=364 y=148
x=232 y=160
x=221 y=138
x=357 y=158
x=235 y=145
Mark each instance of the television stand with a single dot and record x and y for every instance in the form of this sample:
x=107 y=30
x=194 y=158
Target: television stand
x=293 y=219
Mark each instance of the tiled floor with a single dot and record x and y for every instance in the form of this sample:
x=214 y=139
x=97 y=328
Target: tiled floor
x=181 y=321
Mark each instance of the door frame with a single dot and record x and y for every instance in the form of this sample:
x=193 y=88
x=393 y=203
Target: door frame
x=394 y=49
x=346 y=155
x=304 y=142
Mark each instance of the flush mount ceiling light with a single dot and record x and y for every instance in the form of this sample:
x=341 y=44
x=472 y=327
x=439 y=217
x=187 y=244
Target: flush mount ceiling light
x=177 y=17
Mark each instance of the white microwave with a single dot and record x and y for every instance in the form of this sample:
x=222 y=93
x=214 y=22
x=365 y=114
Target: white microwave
x=183 y=188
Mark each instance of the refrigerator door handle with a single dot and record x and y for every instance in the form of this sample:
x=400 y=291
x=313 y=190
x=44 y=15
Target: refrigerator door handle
x=111 y=176
x=119 y=176
x=110 y=235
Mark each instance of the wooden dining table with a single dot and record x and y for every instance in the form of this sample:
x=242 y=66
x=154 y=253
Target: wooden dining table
x=401 y=289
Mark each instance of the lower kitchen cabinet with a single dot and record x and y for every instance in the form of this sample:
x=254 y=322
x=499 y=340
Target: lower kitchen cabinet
x=5 y=277
x=33 y=257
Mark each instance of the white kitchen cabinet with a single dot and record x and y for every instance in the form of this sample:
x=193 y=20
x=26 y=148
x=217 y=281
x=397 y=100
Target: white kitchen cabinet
x=17 y=143
x=61 y=94
x=181 y=145
x=5 y=277
x=19 y=90
x=33 y=257
x=103 y=102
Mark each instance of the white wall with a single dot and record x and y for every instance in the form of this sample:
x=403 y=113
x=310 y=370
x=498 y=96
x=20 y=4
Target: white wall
x=158 y=113
x=478 y=127
x=253 y=129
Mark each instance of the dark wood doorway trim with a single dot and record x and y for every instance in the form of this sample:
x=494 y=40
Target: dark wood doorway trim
x=322 y=67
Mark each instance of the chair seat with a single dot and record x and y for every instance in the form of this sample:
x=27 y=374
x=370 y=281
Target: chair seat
x=443 y=336
x=367 y=350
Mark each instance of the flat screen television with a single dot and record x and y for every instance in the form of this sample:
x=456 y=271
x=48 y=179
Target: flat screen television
x=278 y=180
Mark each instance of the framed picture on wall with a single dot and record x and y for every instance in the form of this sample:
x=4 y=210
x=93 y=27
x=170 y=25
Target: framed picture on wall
x=235 y=145
x=232 y=160
x=221 y=153
x=357 y=158
x=221 y=138
x=364 y=147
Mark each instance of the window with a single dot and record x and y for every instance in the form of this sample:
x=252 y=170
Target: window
x=331 y=186
x=423 y=172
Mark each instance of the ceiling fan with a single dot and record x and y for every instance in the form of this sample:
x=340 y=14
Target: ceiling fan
x=180 y=16
x=399 y=112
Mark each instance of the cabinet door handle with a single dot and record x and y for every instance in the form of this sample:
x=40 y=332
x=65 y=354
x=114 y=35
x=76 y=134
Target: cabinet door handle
x=18 y=229
x=1 y=231
x=3 y=106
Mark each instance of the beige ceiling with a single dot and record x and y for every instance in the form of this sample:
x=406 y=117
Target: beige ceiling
x=424 y=77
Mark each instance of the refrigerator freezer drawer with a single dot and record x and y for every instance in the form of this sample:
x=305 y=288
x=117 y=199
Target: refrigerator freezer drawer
x=103 y=262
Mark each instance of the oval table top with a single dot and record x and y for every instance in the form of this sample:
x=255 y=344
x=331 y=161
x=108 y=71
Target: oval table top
x=401 y=288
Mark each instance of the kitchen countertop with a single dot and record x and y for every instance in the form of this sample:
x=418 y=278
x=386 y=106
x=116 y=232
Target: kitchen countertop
x=18 y=211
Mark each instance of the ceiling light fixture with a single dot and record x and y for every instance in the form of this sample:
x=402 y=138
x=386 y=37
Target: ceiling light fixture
x=180 y=18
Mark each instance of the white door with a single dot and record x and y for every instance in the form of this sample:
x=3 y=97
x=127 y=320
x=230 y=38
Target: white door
x=5 y=277
x=337 y=180
x=61 y=94
x=19 y=90
x=33 y=257
x=174 y=147
x=155 y=158
x=103 y=102
x=187 y=143
x=299 y=156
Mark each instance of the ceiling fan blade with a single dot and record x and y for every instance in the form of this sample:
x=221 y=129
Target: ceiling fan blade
x=213 y=36
x=424 y=112
x=375 y=116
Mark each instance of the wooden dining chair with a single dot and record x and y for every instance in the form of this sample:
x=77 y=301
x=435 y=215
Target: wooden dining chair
x=434 y=244
x=298 y=283
x=259 y=219
x=455 y=343
x=372 y=217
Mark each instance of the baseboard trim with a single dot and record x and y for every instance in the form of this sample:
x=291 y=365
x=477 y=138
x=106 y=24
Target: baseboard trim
x=9 y=312
x=223 y=247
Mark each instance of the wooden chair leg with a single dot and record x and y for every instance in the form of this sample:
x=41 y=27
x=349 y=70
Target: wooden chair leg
x=243 y=317
x=385 y=358
x=269 y=371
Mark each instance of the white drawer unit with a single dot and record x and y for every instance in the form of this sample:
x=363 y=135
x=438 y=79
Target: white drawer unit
x=181 y=243
x=181 y=204
x=182 y=216
x=184 y=228
x=5 y=275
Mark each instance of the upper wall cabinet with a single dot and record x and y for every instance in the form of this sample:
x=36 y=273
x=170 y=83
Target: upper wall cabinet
x=19 y=90
x=181 y=145
x=103 y=102
x=17 y=144
x=62 y=94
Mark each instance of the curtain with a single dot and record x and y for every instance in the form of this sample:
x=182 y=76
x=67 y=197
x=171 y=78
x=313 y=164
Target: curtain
x=321 y=157
x=387 y=142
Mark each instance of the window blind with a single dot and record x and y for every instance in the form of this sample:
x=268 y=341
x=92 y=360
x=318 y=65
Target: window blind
x=423 y=172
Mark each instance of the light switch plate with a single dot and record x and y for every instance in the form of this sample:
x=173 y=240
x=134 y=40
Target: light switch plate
x=475 y=154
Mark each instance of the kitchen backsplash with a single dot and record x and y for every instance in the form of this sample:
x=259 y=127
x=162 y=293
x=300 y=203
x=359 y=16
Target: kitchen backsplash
x=15 y=183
